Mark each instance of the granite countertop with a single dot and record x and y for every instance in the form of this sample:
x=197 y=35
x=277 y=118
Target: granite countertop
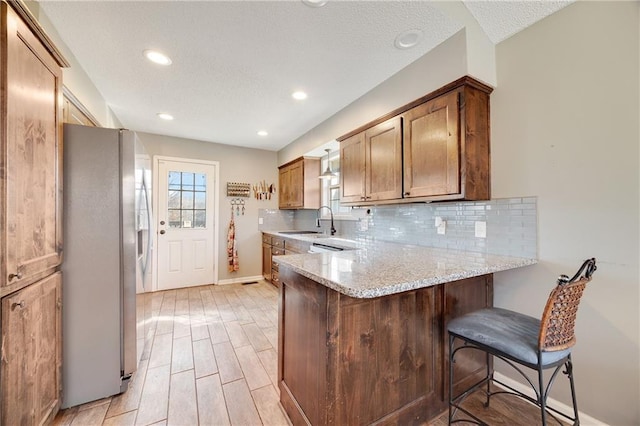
x=369 y=269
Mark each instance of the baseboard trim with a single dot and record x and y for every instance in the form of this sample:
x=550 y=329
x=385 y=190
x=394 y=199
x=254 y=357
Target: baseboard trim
x=239 y=280
x=585 y=419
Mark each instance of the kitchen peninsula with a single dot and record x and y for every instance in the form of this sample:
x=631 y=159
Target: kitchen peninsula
x=362 y=335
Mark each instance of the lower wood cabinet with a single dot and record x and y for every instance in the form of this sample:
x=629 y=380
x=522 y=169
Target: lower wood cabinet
x=276 y=246
x=32 y=353
x=352 y=361
x=266 y=259
x=271 y=246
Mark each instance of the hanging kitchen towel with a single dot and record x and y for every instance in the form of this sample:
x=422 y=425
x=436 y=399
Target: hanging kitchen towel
x=232 y=252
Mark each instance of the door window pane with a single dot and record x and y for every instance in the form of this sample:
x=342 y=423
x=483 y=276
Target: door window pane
x=186 y=200
x=174 y=180
x=174 y=199
x=200 y=201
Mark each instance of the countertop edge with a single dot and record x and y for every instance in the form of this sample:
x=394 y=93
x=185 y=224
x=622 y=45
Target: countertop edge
x=385 y=290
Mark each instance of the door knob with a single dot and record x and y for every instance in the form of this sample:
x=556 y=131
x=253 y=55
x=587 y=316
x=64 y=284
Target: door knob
x=162 y=232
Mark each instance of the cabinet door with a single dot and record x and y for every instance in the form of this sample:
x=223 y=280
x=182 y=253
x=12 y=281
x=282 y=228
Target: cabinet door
x=432 y=147
x=383 y=166
x=296 y=185
x=266 y=261
x=33 y=160
x=31 y=353
x=352 y=175
x=284 y=179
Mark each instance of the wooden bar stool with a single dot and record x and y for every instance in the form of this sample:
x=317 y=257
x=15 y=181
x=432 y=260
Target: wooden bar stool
x=521 y=340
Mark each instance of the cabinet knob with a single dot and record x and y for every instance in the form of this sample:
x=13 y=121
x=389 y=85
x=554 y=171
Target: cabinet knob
x=162 y=222
x=406 y=194
x=162 y=232
x=363 y=198
x=17 y=275
x=20 y=304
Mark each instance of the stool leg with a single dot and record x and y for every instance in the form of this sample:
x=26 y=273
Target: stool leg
x=542 y=395
x=451 y=361
x=569 y=372
x=489 y=379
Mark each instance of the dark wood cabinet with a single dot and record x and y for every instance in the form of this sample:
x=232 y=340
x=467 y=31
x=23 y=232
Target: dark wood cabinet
x=352 y=173
x=352 y=361
x=30 y=219
x=299 y=184
x=271 y=246
x=432 y=147
x=266 y=259
x=31 y=185
x=31 y=353
x=371 y=164
x=276 y=246
x=444 y=151
x=446 y=147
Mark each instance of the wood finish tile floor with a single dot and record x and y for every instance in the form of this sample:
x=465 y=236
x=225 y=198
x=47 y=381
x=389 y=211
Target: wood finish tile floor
x=213 y=361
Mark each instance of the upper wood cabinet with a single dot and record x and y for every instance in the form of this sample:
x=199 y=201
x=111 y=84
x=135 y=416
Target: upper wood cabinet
x=299 y=184
x=444 y=150
x=352 y=160
x=371 y=164
x=31 y=190
x=431 y=147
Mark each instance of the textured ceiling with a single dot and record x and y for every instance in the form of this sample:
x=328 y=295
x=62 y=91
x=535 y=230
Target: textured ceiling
x=236 y=63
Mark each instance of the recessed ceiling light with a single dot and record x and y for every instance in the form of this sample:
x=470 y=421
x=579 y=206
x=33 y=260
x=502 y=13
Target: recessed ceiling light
x=157 y=57
x=314 y=3
x=165 y=116
x=263 y=133
x=299 y=95
x=408 y=39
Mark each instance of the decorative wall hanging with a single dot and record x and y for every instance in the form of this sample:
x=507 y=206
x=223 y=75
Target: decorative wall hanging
x=237 y=206
x=263 y=191
x=238 y=189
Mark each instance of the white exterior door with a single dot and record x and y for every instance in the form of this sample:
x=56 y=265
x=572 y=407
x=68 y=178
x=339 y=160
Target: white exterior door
x=186 y=229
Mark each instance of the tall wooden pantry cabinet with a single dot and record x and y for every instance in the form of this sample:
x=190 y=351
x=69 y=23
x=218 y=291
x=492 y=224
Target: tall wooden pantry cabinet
x=30 y=218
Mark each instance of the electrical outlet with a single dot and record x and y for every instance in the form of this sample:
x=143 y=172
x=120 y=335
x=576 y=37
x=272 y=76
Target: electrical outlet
x=442 y=228
x=260 y=221
x=481 y=229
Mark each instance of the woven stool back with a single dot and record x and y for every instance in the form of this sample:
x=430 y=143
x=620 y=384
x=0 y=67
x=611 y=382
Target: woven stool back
x=559 y=316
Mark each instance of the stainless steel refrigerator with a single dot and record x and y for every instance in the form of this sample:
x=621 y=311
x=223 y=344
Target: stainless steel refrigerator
x=106 y=251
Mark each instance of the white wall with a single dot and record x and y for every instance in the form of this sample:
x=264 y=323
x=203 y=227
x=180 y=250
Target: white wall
x=236 y=165
x=444 y=64
x=565 y=128
x=74 y=77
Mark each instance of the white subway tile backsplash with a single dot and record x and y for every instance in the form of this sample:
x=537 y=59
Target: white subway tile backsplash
x=512 y=226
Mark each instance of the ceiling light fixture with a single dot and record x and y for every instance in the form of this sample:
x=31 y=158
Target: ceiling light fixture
x=328 y=174
x=314 y=3
x=165 y=116
x=263 y=133
x=299 y=95
x=157 y=57
x=408 y=39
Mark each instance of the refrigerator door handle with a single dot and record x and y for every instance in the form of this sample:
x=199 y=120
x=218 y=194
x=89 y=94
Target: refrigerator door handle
x=149 y=239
